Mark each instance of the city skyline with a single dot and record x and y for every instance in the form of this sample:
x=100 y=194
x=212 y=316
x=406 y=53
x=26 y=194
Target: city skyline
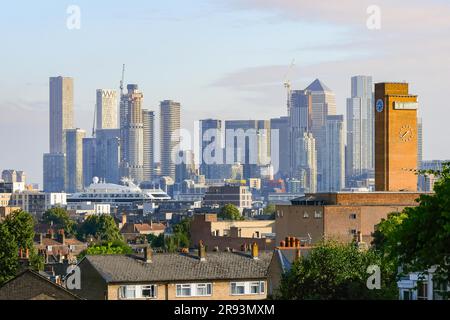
x=245 y=85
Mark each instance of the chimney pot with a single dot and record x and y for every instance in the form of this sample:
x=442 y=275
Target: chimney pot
x=282 y=244
x=148 y=254
x=255 y=251
x=201 y=251
x=287 y=241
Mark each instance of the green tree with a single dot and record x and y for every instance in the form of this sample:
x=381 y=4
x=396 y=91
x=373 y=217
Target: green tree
x=270 y=209
x=21 y=226
x=9 y=262
x=422 y=239
x=59 y=218
x=156 y=241
x=383 y=237
x=101 y=227
x=336 y=271
x=107 y=248
x=230 y=212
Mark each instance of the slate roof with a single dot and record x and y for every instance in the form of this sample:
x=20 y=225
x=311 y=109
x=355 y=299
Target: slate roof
x=181 y=267
x=318 y=85
x=30 y=285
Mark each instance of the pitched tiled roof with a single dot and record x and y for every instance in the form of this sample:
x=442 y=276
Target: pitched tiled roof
x=181 y=267
x=140 y=227
x=30 y=285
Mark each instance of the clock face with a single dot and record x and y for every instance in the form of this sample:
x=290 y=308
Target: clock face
x=406 y=133
x=380 y=105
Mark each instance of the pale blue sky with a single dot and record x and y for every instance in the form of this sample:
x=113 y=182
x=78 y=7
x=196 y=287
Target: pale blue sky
x=219 y=58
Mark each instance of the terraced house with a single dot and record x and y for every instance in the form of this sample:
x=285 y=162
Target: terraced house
x=176 y=276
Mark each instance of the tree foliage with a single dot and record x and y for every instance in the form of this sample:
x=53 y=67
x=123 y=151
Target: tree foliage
x=270 y=209
x=107 y=248
x=230 y=212
x=101 y=227
x=421 y=240
x=9 y=262
x=17 y=232
x=59 y=218
x=336 y=271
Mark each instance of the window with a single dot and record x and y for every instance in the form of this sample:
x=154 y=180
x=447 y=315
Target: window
x=138 y=292
x=254 y=288
x=353 y=216
x=148 y=291
x=237 y=288
x=317 y=214
x=127 y=292
x=204 y=289
x=406 y=295
x=194 y=290
x=422 y=291
x=353 y=231
x=247 y=288
x=305 y=215
x=439 y=290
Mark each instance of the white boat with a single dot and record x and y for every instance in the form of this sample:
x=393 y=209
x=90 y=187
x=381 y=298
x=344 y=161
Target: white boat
x=126 y=195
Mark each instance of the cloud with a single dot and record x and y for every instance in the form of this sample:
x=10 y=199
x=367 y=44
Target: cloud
x=401 y=14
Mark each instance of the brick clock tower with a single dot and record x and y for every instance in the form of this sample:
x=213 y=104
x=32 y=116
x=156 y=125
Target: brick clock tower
x=395 y=137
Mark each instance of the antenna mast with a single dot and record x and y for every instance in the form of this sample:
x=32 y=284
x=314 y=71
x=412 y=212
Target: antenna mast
x=122 y=80
x=287 y=85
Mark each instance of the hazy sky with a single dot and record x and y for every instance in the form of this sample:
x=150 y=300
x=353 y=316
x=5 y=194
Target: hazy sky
x=220 y=58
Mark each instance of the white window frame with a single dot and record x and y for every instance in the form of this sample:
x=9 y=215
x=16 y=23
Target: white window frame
x=137 y=292
x=248 y=287
x=194 y=289
x=240 y=284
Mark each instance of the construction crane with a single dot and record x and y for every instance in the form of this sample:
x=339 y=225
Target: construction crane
x=287 y=85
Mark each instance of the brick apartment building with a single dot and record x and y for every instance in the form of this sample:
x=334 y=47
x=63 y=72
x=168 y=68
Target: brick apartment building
x=338 y=215
x=176 y=276
x=240 y=196
x=221 y=235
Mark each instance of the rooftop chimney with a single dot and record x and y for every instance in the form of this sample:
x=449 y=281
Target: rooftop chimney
x=148 y=254
x=62 y=237
x=201 y=251
x=255 y=251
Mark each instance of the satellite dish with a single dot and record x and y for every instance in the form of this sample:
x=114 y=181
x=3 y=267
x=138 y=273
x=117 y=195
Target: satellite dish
x=95 y=180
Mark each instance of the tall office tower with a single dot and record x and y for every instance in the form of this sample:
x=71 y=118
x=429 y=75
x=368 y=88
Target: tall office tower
x=211 y=149
x=61 y=111
x=395 y=137
x=89 y=160
x=335 y=157
x=107 y=155
x=305 y=162
x=170 y=124
x=54 y=172
x=323 y=105
x=300 y=122
x=419 y=143
x=148 y=118
x=74 y=160
x=106 y=109
x=186 y=169
x=132 y=134
x=248 y=142
x=282 y=125
x=360 y=129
